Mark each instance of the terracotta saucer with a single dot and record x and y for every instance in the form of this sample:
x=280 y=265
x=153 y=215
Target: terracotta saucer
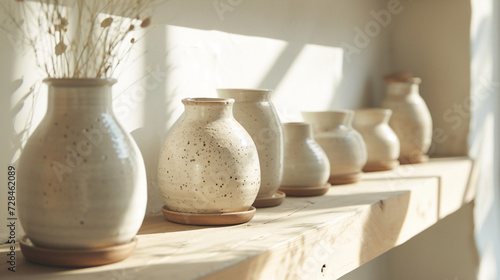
x=306 y=191
x=272 y=201
x=412 y=159
x=217 y=219
x=381 y=165
x=76 y=257
x=345 y=179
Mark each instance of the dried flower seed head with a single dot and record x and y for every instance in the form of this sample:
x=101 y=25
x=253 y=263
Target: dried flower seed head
x=132 y=40
x=60 y=48
x=64 y=22
x=145 y=23
x=131 y=27
x=106 y=22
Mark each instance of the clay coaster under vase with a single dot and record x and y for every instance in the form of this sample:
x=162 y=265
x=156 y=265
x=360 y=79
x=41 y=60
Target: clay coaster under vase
x=306 y=191
x=216 y=219
x=76 y=257
x=345 y=179
x=381 y=165
x=272 y=201
x=412 y=159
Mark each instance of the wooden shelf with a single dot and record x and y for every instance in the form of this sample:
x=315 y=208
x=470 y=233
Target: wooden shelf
x=303 y=238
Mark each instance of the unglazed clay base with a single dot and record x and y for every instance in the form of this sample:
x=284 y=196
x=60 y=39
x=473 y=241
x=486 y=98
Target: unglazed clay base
x=306 y=191
x=76 y=257
x=381 y=165
x=414 y=159
x=218 y=219
x=345 y=179
x=272 y=201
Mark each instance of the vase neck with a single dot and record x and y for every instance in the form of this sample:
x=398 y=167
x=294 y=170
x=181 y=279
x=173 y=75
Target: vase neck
x=245 y=95
x=371 y=117
x=329 y=120
x=297 y=131
x=77 y=95
x=207 y=109
x=402 y=89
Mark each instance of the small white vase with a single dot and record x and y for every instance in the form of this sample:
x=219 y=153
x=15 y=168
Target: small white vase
x=343 y=145
x=382 y=144
x=255 y=112
x=411 y=120
x=82 y=180
x=305 y=163
x=208 y=162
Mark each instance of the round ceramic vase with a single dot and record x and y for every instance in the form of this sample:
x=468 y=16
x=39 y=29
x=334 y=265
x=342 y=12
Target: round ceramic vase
x=411 y=120
x=82 y=180
x=343 y=145
x=305 y=163
x=255 y=112
x=382 y=144
x=208 y=162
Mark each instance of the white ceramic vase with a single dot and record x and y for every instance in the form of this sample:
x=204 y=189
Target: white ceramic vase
x=208 y=162
x=382 y=144
x=255 y=112
x=305 y=163
x=343 y=145
x=82 y=180
x=411 y=119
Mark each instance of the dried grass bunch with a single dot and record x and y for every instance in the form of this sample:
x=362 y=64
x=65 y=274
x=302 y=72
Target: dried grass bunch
x=77 y=38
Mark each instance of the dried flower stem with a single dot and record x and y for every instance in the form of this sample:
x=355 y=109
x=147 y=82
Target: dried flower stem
x=77 y=38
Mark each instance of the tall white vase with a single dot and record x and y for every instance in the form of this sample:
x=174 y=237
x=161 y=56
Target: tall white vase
x=382 y=144
x=255 y=112
x=411 y=119
x=343 y=145
x=208 y=163
x=82 y=180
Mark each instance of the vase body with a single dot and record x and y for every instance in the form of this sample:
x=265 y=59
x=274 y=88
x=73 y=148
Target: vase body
x=343 y=145
x=208 y=162
x=411 y=120
x=255 y=112
x=382 y=144
x=305 y=162
x=82 y=180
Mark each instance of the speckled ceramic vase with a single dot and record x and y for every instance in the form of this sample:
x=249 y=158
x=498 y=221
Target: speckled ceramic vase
x=343 y=145
x=411 y=119
x=81 y=177
x=208 y=162
x=382 y=144
x=305 y=163
x=255 y=112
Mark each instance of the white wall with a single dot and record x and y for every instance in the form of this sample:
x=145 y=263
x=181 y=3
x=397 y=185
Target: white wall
x=484 y=137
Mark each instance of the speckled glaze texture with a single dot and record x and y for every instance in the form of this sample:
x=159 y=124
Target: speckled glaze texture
x=255 y=112
x=305 y=162
x=411 y=120
x=343 y=145
x=81 y=177
x=208 y=163
x=382 y=144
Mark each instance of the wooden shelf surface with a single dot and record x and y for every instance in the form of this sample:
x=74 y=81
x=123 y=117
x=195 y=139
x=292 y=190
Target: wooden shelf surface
x=304 y=238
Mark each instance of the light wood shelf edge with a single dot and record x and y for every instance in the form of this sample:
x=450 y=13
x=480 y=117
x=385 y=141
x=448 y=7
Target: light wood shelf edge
x=305 y=238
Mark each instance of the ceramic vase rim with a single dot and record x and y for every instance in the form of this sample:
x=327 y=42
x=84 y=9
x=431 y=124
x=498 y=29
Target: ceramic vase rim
x=207 y=101
x=79 y=82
